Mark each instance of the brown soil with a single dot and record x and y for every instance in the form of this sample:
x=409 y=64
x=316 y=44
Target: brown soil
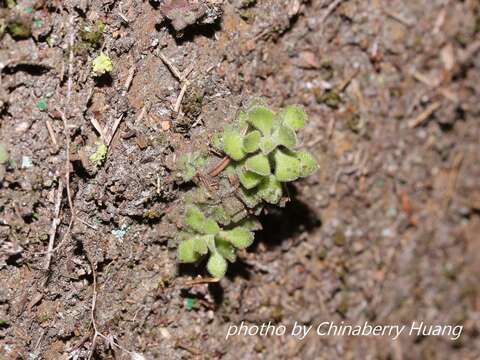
x=387 y=231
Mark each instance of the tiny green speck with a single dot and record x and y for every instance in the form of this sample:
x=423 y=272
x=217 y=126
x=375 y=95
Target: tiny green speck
x=190 y=303
x=99 y=156
x=42 y=104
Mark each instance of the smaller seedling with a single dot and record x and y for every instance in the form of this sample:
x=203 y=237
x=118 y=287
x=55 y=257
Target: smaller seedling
x=99 y=156
x=204 y=235
x=19 y=29
x=10 y=3
x=92 y=34
x=102 y=64
x=188 y=165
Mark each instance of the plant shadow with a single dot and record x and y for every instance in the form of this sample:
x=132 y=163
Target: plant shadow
x=282 y=224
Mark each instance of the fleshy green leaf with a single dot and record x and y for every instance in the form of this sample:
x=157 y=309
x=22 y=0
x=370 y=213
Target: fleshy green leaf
x=188 y=164
x=308 y=164
x=226 y=250
x=220 y=215
x=195 y=219
x=242 y=120
x=217 y=141
x=200 y=243
x=258 y=164
x=186 y=252
x=250 y=223
x=285 y=136
x=261 y=118
x=251 y=141
x=267 y=145
x=287 y=166
x=210 y=227
x=249 y=179
x=217 y=266
x=270 y=189
x=233 y=144
x=240 y=237
x=294 y=117
x=249 y=197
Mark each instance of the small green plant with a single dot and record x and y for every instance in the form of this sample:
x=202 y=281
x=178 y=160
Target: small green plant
x=189 y=164
x=264 y=155
x=203 y=235
x=102 y=64
x=19 y=29
x=92 y=34
x=263 y=147
x=100 y=154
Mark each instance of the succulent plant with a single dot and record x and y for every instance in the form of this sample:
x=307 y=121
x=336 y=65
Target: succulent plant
x=263 y=147
x=264 y=154
x=204 y=235
x=102 y=64
x=100 y=154
x=189 y=163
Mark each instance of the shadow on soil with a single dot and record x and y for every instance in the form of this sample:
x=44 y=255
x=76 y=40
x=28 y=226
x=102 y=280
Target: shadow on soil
x=281 y=224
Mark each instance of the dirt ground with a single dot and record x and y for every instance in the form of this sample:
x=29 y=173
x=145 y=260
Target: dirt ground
x=387 y=231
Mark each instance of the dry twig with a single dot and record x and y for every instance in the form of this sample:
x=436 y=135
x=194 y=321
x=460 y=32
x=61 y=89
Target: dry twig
x=54 y=226
x=398 y=17
x=128 y=82
x=51 y=133
x=333 y=5
x=181 y=77
x=112 y=130
x=424 y=115
x=218 y=168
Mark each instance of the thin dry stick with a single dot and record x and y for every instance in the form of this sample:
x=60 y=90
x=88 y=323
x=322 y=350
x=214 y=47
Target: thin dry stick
x=111 y=133
x=92 y=310
x=70 y=60
x=55 y=223
x=51 y=133
x=142 y=114
x=398 y=17
x=128 y=82
x=330 y=9
x=424 y=115
x=50 y=250
x=182 y=77
x=172 y=67
x=207 y=280
x=178 y=103
x=67 y=183
x=67 y=162
x=97 y=127
x=217 y=169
